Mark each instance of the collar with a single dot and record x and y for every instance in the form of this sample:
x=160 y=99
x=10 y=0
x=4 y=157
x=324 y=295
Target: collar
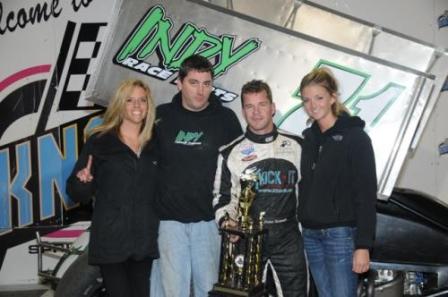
x=263 y=138
x=110 y=143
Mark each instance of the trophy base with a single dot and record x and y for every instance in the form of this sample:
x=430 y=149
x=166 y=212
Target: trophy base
x=221 y=291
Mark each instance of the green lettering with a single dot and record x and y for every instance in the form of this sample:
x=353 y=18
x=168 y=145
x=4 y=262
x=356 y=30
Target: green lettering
x=229 y=57
x=148 y=25
x=162 y=39
x=153 y=33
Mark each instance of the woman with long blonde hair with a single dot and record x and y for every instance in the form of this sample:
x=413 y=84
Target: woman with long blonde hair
x=117 y=166
x=113 y=117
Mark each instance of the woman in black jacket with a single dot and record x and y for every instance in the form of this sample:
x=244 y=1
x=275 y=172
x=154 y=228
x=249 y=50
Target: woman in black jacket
x=117 y=166
x=337 y=190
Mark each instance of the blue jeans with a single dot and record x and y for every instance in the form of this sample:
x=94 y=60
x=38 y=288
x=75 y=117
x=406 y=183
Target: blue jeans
x=188 y=253
x=330 y=258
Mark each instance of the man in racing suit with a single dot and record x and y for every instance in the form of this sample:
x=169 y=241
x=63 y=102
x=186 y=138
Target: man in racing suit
x=275 y=156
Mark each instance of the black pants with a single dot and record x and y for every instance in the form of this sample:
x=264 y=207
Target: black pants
x=127 y=279
x=284 y=247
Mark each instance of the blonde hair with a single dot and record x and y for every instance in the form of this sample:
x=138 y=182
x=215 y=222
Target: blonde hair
x=323 y=77
x=113 y=117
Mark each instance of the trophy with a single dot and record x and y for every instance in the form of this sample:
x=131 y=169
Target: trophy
x=240 y=272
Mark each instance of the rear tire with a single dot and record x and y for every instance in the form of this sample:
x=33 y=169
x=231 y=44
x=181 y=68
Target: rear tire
x=81 y=280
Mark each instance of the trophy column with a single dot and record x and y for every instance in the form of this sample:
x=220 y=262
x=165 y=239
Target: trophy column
x=241 y=249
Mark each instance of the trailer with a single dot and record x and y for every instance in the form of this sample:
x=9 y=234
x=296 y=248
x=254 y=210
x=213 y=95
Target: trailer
x=62 y=60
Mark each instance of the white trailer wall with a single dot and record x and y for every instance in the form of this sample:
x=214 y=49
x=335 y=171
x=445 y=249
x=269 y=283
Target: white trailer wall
x=425 y=169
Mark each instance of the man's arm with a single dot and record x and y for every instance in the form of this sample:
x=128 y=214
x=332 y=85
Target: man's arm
x=225 y=199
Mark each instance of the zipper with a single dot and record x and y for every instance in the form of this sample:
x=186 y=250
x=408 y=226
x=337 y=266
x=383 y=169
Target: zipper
x=318 y=157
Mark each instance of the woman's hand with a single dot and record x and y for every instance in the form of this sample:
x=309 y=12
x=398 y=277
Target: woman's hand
x=84 y=175
x=361 y=260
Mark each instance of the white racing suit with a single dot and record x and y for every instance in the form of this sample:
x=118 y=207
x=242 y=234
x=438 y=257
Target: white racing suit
x=276 y=159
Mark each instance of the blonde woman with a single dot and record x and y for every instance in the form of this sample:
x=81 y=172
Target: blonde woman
x=338 y=189
x=117 y=166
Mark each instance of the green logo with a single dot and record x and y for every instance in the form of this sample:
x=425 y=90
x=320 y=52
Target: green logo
x=188 y=138
x=153 y=33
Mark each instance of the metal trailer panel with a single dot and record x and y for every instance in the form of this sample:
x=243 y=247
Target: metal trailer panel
x=384 y=77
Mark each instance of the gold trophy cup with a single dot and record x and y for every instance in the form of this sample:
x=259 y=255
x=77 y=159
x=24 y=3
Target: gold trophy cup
x=241 y=247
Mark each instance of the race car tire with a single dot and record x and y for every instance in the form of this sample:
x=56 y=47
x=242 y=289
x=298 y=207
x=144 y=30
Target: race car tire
x=81 y=280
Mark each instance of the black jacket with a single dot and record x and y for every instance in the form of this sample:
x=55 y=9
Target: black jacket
x=188 y=143
x=339 y=186
x=124 y=224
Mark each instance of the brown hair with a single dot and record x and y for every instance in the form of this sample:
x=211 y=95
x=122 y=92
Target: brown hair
x=195 y=62
x=256 y=86
x=323 y=77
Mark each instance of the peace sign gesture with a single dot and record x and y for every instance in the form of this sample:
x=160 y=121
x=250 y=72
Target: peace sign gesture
x=84 y=175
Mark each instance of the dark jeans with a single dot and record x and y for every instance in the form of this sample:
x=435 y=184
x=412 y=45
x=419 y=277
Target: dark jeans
x=127 y=279
x=330 y=258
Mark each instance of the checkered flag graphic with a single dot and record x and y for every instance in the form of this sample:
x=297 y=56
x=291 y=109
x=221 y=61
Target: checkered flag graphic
x=90 y=39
